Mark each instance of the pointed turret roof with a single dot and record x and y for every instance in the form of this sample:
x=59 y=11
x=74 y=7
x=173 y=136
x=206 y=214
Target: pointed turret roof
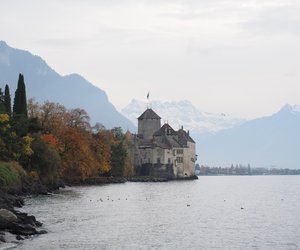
x=149 y=114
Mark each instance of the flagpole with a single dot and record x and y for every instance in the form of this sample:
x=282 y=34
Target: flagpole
x=148 y=95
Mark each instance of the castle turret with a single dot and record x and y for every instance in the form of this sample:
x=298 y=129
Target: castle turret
x=148 y=124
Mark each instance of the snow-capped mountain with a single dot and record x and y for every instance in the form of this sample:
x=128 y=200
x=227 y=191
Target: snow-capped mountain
x=182 y=113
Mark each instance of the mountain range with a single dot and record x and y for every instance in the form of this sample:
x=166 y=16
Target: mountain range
x=43 y=83
x=272 y=141
x=182 y=113
x=222 y=140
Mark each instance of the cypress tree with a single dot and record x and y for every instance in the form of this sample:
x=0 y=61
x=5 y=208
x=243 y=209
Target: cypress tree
x=20 y=101
x=2 y=107
x=16 y=106
x=7 y=100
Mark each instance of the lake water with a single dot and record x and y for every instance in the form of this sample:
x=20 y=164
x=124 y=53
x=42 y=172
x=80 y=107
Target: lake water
x=218 y=212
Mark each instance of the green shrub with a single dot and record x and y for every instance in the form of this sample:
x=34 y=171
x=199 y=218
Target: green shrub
x=8 y=174
x=18 y=168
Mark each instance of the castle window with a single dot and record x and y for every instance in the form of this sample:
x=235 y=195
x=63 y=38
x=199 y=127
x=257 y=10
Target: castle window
x=179 y=151
x=179 y=159
x=169 y=160
x=158 y=160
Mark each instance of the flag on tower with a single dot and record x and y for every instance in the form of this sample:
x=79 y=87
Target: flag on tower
x=148 y=96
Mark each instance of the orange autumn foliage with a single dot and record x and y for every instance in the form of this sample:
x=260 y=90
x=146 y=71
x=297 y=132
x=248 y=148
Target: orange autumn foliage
x=83 y=152
x=102 y=142
x=77 y=158
x=52 y=142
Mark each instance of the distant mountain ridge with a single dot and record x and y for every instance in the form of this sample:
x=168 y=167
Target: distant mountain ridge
x=272 y=141
x=182 y=113
x=43 y=83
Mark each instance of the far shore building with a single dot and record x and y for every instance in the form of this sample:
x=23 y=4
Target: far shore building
x=160 y=151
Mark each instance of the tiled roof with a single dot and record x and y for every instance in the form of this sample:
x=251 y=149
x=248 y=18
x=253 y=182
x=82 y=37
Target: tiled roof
x=149 y=114
x=166 y=142
x=184 y=137
x=166 y=129
x=168 y=137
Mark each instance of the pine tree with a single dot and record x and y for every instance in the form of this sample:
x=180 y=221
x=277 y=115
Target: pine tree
x=20 y=101
x=7 y=100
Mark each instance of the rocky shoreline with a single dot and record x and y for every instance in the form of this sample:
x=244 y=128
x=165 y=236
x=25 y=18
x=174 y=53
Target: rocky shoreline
x=16 y=223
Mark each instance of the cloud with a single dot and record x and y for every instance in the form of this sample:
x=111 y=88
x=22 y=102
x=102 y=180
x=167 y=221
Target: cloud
x=275 y=20
x=60 y=42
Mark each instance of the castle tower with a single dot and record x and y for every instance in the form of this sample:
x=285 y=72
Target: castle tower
x=148 y=123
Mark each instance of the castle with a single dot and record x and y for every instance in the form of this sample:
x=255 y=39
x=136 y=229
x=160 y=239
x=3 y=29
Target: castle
x=161 y=151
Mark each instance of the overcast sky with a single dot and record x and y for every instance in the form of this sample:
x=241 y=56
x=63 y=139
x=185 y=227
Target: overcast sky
x=225 y=56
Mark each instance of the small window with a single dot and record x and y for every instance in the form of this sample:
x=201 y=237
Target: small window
x=179 y=151
x=179 y=159
x=169 y=160
x=158 y=160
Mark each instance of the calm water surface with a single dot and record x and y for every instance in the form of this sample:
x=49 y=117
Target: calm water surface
x=202 y=214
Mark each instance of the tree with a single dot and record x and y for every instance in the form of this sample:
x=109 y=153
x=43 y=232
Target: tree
x=97 y=128
x=78 y=162
x=117 y=133
x=7 y=100
x=5 y=138
x=2 y=106
x=45 y=160
x=79 y=118
x=20 y=101
x=34 y=108
x=52 y=141
x=102 y=141
x=20 y=125
x=118 y=157
x=53 y=116
x=130 y=148
x=14 y=145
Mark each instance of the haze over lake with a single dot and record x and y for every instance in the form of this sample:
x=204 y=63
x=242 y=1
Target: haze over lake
x=220 y=212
